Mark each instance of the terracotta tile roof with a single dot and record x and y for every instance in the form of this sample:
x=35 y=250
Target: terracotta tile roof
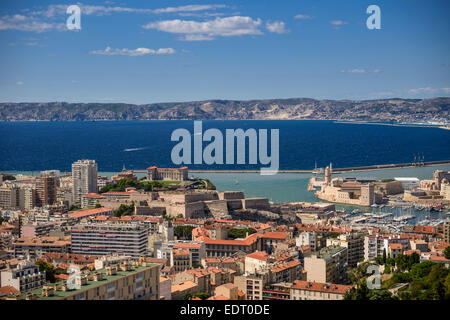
x=93 y=195
x=275 y=235
x=284 y=266
x=8 y=290
x=259 y=255
x=320 y=287
x=187 y=245
x=408 y=252
x=439 y=259
x=89 y=212
x=183 y=286
x=180 y=252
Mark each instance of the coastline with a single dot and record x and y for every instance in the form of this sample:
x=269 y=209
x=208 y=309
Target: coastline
x=336 y=170
x=409 y=125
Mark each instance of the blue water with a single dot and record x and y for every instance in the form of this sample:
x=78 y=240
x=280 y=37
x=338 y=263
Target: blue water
x=27 y=146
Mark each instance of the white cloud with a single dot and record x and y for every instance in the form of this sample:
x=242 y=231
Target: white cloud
x=208 y=30
x=303 y=17
x=19 y=83
x=27 y=23
x=50 y=18
x=429 y=90
x=60 y=9
x=190 y=8
x=276 y=27
x=338 y=22
x=197 y=37
x=108 y=51
x=360 y=71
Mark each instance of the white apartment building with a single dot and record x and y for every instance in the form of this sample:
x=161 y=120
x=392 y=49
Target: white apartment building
x=26 y=276
x=98 y=239
x=84 y=179
x=307 y=238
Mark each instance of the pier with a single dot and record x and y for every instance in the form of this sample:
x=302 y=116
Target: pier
x=335 y=170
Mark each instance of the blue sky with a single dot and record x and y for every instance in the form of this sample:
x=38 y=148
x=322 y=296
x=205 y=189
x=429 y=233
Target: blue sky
x=162 y=51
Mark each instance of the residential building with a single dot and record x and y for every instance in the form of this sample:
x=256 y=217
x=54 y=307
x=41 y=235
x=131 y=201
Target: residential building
x=127 y=281
x=446 y=231
x=354 y=242
x=328 y=265
x=84 y=179
x=24 y=277
x=9 y=197
x=228 y=291
x=37 y=247
x=99 y=239
x=251 y=286
x=165 y=288
x=46 y=187
x=307 y=290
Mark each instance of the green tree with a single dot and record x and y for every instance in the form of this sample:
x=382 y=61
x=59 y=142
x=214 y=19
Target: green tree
x=49 y=270
x=9 y=177
x=355 y=275
x=98 y=205
x=381 y=294
x=187 y=296
x=447 y=253
x=240 y=233
x=202 y=295
x=183 y=232
x=333 y=234
x=124 y=210
x=421 y=270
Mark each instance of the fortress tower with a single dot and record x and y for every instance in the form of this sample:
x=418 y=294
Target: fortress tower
x=327 y=175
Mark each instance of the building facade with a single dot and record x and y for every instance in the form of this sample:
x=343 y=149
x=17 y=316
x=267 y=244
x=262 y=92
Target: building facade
x=97 y=239
x=84 y=179
x=329 y=265
x=172 y=174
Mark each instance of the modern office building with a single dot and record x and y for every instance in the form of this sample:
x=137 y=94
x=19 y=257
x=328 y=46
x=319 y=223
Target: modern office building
x=97 y=239
x=84 y=179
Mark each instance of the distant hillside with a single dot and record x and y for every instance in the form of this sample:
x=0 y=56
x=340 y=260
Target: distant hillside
x=297 y=108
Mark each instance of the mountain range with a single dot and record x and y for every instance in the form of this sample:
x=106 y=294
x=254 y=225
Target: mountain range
x=394 y=109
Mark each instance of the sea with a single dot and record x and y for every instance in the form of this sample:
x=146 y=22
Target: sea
x=28 y=147
x=34 y=146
